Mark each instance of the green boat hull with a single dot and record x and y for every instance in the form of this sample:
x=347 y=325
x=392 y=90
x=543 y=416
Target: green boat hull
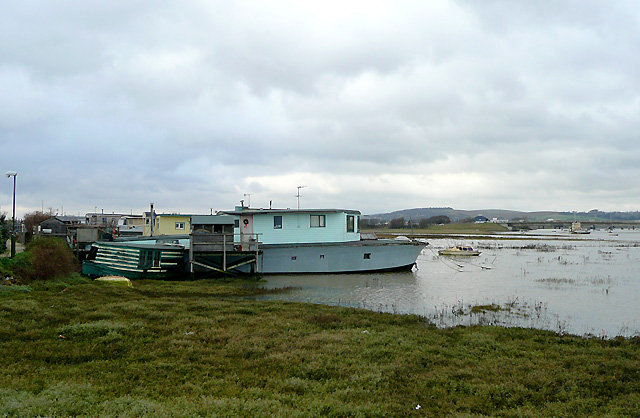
x=135 y=261
x=92 y=269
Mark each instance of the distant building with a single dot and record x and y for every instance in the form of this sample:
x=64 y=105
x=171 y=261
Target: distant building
x=59 y=225
x=103 y=219
x=498 y=221
x=131 y=225
x=480 y=219
x=166 y=224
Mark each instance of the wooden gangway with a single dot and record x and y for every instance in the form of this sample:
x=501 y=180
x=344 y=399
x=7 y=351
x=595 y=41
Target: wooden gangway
x=224 y=252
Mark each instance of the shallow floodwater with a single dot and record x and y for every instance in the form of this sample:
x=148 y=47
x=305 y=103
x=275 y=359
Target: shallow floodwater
x=577 y=284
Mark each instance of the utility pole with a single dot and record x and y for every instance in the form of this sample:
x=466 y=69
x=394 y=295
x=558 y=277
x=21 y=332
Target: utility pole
x=13 y=223
x=152 y=220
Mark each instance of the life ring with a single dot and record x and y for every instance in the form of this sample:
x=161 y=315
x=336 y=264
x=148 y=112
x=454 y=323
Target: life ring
x=114 y=231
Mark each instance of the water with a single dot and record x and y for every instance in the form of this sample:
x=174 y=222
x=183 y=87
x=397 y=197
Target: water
x=577 y=284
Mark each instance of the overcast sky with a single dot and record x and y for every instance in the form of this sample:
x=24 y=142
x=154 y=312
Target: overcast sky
x=373 y=105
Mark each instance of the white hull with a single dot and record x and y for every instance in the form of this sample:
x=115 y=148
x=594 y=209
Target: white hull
x=345 y=257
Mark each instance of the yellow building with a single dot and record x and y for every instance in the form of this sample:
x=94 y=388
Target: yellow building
x=167 y=224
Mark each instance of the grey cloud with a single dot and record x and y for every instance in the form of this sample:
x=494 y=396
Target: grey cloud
x=195 y=104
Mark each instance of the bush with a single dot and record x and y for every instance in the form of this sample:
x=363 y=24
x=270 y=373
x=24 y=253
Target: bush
x=45 y=259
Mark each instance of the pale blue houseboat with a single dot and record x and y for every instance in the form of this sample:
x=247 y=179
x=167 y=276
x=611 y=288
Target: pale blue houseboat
x=318 y=241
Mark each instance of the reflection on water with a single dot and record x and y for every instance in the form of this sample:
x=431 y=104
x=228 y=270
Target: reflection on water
x=586 y=284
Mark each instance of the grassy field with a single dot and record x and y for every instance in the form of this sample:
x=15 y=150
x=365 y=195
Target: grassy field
x=453 y=228
x=188 y=349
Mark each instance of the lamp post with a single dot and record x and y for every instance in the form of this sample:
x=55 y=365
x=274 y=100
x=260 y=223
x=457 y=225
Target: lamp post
x=13 y=225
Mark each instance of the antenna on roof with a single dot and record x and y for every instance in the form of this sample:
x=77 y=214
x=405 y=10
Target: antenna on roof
x=298 y=195
x=248 y=200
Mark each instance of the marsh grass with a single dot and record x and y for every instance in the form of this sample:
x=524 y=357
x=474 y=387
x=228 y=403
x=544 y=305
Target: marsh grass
x=187 y=349
x=449 y=229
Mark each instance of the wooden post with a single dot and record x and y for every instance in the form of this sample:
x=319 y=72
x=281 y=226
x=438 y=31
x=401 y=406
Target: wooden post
x=224 y=252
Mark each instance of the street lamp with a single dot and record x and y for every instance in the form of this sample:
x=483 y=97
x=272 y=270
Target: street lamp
x=13 y=225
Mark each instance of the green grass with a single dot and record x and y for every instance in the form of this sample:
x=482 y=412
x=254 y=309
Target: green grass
x=203 y=348
x=453 y=228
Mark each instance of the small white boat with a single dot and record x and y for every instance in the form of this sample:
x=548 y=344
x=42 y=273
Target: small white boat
x=459 y=250
x=576 y=228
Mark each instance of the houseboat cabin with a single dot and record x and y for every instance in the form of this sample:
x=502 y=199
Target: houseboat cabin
x=291 y=226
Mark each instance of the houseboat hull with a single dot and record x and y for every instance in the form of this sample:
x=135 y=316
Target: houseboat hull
x=343 y=257
x=135 y=261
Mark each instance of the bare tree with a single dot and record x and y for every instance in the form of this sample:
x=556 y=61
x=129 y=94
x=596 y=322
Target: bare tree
x=32 y=219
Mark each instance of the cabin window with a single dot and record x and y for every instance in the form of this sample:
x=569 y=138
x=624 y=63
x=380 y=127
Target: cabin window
x=351 y=227
x=149 y=259
x=367 y=256
x=179 y=225
x=318 y=221
x=358 y=224
x=236 y=223
x=277 y=222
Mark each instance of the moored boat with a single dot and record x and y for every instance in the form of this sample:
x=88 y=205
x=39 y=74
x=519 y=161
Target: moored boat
x=320 y=241
x=576 y=228
x=135 y=260
x=459 y=250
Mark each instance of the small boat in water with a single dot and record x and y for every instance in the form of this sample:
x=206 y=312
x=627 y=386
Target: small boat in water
x=576 y=228
x=459 y=250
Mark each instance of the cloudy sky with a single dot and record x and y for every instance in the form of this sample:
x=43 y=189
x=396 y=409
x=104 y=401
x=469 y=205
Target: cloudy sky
x=372 y=105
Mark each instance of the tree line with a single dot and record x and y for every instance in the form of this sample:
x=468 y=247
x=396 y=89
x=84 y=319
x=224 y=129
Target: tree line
x=401 y=222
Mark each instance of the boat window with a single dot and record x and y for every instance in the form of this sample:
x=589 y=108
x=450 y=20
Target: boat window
x=277 y=222
x=318 y=221
x=149 y=259
x=351 y=223
x=367 y=256
x=179 y=225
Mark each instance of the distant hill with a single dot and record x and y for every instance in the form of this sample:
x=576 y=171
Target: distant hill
x=458 y=215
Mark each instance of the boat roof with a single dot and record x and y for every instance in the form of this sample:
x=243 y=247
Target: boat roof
x=247 y=211
x=140 y=245
x=212 y=220
x=155 y=238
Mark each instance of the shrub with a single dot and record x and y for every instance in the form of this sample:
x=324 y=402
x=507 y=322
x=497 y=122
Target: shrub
x=45 y=259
